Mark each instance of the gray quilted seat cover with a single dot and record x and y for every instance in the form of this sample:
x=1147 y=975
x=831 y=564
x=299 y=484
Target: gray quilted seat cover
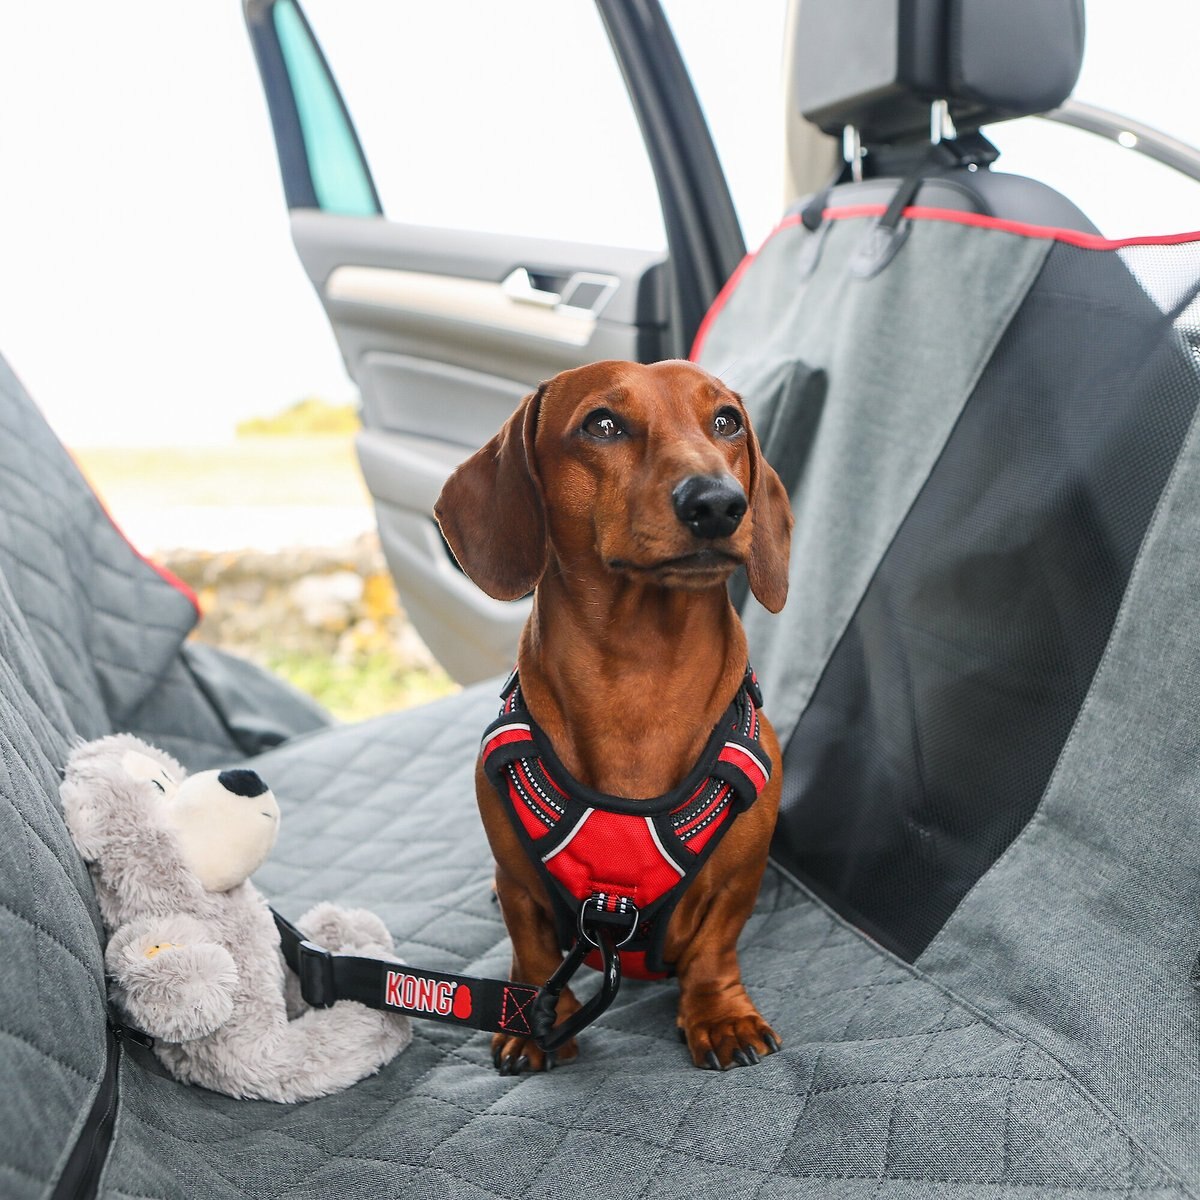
x=887 y=1077
x=1046 y=1042
x=109 y=626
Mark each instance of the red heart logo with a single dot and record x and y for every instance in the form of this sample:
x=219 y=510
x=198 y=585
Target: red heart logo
x=462 y=1002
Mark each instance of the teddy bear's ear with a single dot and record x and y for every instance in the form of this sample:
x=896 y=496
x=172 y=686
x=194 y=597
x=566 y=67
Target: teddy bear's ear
x=149 y=770
x=108 y=784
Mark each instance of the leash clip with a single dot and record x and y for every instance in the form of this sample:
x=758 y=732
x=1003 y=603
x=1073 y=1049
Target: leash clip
x=594 y=932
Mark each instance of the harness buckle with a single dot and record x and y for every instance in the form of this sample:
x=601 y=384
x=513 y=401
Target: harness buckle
x=314 y=970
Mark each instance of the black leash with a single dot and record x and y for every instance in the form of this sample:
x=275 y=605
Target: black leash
x=494 y=1005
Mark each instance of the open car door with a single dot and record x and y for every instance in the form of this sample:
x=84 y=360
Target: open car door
x=445 y=329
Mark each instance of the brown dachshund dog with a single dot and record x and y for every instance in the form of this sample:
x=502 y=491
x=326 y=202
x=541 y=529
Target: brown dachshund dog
x=626 y=495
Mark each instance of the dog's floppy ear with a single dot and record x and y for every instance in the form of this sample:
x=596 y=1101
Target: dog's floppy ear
x=771 y=546
x=491 y=509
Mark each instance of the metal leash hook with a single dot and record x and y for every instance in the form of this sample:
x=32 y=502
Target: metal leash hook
x=549 y=1036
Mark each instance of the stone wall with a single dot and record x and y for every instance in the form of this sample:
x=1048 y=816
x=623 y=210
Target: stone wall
x=312 y=613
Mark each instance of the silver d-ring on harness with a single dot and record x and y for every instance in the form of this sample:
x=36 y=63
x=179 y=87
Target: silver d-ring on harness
x=587 y=937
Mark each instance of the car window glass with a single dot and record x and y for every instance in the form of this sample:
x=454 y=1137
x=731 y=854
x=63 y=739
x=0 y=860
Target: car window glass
x=1130 y=68
x=734 y=54
x=1139 y=60
x=506 y=118
x=339 y=180
x=1124 y=193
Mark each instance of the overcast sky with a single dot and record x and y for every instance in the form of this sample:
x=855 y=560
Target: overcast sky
x=148 y=287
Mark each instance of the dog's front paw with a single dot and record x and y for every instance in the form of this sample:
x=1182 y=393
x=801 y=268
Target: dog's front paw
x=721 y=1040
x=513 y=1055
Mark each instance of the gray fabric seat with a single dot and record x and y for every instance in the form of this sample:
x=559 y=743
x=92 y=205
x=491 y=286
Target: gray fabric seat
x=891 y=1082
x=110 y=626
x=885 y=1075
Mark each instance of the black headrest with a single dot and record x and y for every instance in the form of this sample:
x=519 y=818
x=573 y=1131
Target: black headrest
x=879 y=64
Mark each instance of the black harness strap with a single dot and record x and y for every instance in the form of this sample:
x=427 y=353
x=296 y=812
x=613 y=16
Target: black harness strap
x=613 y=876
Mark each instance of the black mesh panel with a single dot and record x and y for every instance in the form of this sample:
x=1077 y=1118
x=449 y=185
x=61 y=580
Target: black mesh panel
x=939 y=717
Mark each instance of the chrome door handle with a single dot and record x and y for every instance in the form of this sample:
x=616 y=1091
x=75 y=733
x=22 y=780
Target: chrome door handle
x=518 y=286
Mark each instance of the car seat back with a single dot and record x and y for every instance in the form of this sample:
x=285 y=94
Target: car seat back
x=976 y=420
x=107 y=623
x=53 y=1044
x=893 y=77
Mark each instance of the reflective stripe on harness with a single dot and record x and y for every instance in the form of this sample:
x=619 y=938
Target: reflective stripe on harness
x=630 y=861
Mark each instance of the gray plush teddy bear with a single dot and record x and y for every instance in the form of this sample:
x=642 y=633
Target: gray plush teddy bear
x=194 y=953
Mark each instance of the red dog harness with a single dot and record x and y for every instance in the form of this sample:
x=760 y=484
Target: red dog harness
x=615 y=870
x=622 y=863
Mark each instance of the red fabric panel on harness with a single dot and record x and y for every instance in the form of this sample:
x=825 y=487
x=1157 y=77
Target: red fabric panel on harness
x=644 y=852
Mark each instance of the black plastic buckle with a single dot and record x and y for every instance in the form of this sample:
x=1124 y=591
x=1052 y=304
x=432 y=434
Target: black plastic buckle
x=314 y=969
x=124 y=1032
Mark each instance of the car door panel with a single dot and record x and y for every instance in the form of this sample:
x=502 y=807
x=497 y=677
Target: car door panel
x=444 y=330
x=442 y=344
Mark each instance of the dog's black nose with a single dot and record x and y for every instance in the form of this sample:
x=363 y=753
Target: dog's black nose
x=711 y=506
x=242 y=782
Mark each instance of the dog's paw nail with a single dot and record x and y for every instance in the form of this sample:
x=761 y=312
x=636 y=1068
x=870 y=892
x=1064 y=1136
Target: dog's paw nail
x=551 y=1061
x=772 y=1044
x=679 y=1029
x=522 y=1064
x=739 y=1057
x=711 y=1061
x=751 y=1055
x=496 y=1058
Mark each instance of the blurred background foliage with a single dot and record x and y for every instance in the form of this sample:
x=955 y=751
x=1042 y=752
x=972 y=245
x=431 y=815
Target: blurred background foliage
x=275 y=533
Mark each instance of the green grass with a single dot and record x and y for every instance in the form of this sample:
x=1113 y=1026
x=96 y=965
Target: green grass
x=250 y=471
x=305 y=417
x=362 y=687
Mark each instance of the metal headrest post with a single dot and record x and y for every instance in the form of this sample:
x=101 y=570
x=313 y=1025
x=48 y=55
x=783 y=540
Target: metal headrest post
x=852 y=152
x=941 y=123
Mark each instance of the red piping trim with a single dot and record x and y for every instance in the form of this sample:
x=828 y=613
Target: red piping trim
x=730 y=284
x=1071 y=237
x=161 y=571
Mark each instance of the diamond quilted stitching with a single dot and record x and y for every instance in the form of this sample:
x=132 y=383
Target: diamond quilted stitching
x=884 y=1085
x=106 y=623
x=51 y=1011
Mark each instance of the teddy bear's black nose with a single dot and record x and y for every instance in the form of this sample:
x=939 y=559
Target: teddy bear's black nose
x=242 y=782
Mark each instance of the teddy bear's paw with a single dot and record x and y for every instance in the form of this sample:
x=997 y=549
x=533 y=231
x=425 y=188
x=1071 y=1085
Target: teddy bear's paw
x=388 y=1032
x=347 y=930
x=173 y=990
x=383 y=1034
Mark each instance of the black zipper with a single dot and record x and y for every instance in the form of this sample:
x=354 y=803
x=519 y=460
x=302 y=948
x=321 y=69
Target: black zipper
x=80 y=1178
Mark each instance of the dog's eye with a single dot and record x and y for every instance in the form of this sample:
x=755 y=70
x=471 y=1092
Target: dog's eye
x=727 y=422
x=602 y=424
x=159 y=786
